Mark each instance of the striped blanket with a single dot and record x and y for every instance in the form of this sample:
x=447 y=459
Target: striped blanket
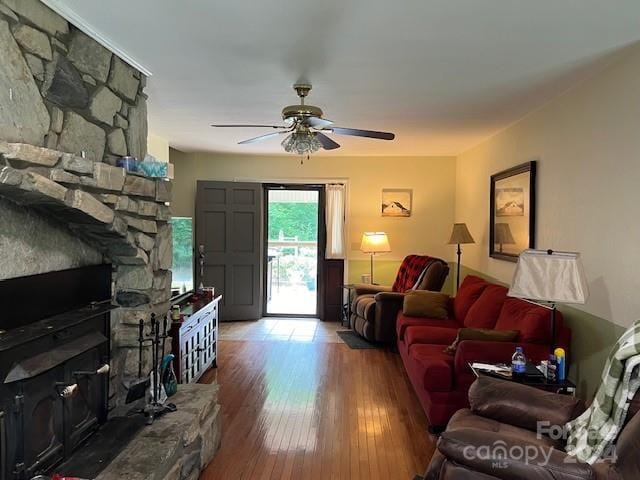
x=592 y=434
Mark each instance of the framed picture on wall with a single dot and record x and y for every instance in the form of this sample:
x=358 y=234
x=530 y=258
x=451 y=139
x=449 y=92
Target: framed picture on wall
x=396 y=202
x=512 y=214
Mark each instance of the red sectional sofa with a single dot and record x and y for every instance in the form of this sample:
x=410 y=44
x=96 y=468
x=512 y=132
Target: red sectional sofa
x=440 y=380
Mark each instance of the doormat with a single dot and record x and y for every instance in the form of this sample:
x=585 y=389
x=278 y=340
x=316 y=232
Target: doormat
x=355 y=341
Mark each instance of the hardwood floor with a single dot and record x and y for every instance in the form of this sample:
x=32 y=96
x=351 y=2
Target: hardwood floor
x=316 y=410
x=282 y=329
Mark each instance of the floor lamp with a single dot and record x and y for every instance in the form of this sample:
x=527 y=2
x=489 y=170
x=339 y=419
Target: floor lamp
x=459 y=235
x=374 y=242
x=550 y=277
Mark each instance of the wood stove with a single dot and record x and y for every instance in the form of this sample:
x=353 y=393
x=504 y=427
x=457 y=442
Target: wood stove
x=54 y=366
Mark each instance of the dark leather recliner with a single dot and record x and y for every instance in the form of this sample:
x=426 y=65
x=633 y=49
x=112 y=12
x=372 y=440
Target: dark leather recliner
x=486 y=441
x=375 y=307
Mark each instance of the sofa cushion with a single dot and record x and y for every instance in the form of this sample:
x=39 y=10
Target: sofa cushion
x=422 y=303
x=404 y=321
x=429 y=335
x=410 y=271
x=434 y=366
x=485 y=311
x=533 y=321
x=467 y=294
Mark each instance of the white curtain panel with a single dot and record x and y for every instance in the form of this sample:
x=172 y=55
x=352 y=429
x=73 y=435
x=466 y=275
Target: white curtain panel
x=335 y=213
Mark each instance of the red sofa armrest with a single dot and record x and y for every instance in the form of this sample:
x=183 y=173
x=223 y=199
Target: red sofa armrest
x=470 y=351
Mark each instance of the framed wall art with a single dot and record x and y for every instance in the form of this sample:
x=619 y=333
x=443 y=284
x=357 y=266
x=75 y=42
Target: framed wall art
x=512 y=214
x=396 y=202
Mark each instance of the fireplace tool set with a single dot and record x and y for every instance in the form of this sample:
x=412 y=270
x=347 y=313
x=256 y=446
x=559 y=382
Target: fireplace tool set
x=157 y=404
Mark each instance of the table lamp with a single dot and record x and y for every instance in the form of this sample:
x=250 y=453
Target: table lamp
x=551 y=277
x=374 y=242
x=459 y=235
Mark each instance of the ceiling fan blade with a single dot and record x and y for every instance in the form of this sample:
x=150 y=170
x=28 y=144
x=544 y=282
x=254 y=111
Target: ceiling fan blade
x=317 y=122
x=363 y=133
x=326 y=142
x=260 y=138
x=248 y=126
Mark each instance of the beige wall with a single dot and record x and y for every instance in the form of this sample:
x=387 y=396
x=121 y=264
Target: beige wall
x=587 y=143
x=158 y=147
x=431 y=178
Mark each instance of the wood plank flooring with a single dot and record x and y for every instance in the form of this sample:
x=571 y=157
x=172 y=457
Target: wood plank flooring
x=315 y=410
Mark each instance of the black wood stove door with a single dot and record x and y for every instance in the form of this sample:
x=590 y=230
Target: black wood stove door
x=52 y=427
x=41 y=421
x=84 y=411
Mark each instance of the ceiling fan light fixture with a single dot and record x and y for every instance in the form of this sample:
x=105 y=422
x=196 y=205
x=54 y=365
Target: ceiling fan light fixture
x=302 y=143
x=307 y=129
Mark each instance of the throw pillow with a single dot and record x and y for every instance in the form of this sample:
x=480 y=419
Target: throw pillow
x=423 y=303
x=482 y=334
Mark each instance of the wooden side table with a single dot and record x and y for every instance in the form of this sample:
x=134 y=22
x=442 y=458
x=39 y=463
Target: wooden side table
x=346 y=307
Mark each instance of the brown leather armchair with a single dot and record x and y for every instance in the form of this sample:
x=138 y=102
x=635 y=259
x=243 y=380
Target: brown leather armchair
x=374 y=307
x=497 y=438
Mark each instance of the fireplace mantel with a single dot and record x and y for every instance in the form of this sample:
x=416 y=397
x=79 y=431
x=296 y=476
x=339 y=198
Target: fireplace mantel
x=109 y=207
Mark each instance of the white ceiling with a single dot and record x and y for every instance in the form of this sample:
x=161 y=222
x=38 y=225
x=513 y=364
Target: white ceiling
x=442 y=74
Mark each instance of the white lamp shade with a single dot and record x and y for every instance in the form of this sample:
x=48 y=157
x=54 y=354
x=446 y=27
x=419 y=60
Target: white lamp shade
x=375 y=242
x=557 y=277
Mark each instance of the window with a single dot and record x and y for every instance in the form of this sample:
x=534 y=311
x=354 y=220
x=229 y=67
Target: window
x=182 y=253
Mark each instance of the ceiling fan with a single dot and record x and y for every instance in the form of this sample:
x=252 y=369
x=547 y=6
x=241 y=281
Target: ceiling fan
x=307 y=128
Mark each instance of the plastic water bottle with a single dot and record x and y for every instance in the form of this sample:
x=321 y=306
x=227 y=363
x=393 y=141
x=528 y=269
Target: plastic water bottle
x=518 y=363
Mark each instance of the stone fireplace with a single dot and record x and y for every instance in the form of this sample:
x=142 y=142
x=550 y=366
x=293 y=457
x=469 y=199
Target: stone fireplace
x=68 y=109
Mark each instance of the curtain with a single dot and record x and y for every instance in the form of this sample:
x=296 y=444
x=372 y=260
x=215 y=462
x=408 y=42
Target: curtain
x=335 y=212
